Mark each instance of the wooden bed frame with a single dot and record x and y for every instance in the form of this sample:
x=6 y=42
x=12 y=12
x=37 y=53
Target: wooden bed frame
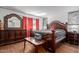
x=56 y=25
x=53 y=26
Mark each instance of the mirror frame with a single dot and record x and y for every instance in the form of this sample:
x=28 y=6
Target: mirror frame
x=7 y=17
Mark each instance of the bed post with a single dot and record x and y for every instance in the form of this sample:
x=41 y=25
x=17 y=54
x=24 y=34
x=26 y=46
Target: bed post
x=53 y=45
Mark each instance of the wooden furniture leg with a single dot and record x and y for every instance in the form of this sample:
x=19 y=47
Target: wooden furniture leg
x=24 y=46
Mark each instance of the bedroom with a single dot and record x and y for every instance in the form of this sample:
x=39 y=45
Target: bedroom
x=40 y=29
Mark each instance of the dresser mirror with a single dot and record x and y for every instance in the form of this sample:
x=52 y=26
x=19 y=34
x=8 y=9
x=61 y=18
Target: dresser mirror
x=12 y=21
x=73 y=21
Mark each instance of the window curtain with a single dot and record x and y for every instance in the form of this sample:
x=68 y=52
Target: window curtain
x=37 y=24
x=28 y=24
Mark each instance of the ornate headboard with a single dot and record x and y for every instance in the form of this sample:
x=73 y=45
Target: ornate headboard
x=57 y=25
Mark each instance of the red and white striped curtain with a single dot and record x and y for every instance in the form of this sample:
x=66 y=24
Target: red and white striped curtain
x=37 y=24
x=30 y=24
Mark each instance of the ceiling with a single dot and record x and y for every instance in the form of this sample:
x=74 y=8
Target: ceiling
x=52 y=12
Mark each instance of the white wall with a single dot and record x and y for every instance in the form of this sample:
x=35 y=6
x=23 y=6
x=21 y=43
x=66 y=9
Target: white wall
x=4 y=12
x=61 y=13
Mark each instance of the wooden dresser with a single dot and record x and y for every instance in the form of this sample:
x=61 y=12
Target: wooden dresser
x=11 y=36
x=0 y=24
x=73 y=38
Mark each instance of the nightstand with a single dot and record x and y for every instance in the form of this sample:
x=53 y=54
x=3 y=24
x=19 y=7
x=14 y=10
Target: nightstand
x=73 y=38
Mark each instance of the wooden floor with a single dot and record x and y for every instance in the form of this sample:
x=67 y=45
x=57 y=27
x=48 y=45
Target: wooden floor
x=67 y=48
x=64 y=48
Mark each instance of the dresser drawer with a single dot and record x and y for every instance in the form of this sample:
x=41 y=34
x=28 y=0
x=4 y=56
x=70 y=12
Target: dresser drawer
x=1 y=35
x=73 y=37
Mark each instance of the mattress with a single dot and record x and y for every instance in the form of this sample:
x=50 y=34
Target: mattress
x=60 y=34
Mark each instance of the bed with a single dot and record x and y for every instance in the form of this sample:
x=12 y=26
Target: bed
x=59 y=33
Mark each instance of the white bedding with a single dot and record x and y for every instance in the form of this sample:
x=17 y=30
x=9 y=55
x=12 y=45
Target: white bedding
x=60 y=34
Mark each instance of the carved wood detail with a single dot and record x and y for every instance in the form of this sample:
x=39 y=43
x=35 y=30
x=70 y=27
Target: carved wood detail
x=8 y=17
